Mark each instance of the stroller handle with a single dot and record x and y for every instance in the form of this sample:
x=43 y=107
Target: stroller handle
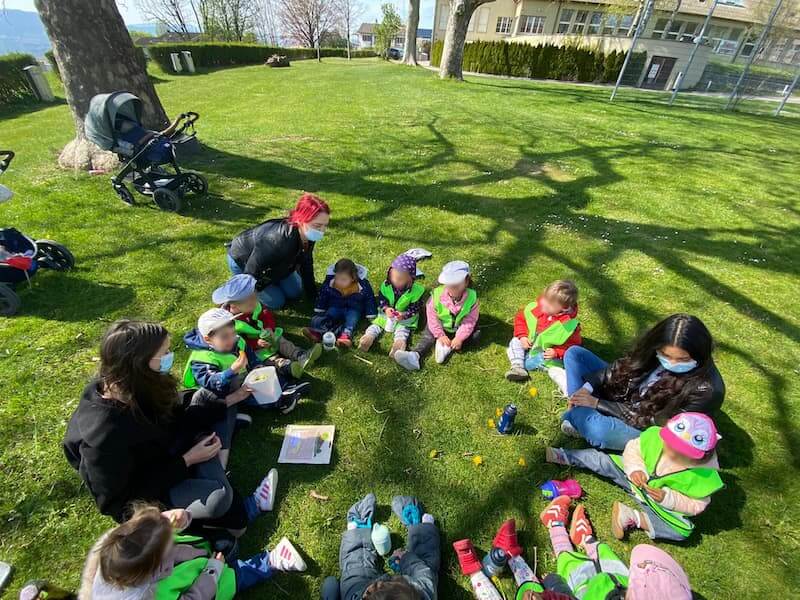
x=190 y=119
x=6 y=156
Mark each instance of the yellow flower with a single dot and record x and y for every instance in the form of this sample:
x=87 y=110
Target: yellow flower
x=433 y=454
x=477 y=460
x=498 y=412
x=490 y=423
x=533 y=392
x=521 y=462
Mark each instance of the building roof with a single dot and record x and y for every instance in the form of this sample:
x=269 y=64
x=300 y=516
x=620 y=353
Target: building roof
x=369 y=28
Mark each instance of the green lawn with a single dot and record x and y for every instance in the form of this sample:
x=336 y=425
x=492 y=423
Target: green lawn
x=651 y=211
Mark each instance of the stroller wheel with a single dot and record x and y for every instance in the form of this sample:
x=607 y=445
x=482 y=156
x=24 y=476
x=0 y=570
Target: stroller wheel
x=9 y=301
x=124 y=194
x=166 y=199
x=53 y=255
x=195 y=183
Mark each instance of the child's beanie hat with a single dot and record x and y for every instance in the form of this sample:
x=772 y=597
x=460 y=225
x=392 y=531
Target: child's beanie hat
x=655 y=574
x=406 y=263
x=691 y=434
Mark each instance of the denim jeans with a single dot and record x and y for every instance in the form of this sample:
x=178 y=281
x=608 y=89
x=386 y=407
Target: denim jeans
x=338 y=320
x=275 y=295
x=579 y=362
x=601 y=431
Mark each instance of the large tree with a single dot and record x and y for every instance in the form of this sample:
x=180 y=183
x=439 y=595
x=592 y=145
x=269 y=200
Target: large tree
x=456 y=36
x=172 y=14
x=347 y=12
x=410 y=49
x=387 y=29
x=95 y=55
x=304 y=21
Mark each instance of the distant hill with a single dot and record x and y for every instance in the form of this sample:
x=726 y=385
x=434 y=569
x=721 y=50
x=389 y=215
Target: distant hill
x=22 y=31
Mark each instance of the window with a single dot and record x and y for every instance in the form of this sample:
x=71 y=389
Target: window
x=777 y=50
x=658 y=30
x=595 y=22
x=610 y=25
x=717 y=35
x=674 y=30
x=367 y=38
x=580 y=21
x=625 y=24
x=483 y=20
x=444 y=13
x=503 y=25
x=689 y=33
x=749 y=44
x=565 y=20
x=532 y=24
x=793 y=55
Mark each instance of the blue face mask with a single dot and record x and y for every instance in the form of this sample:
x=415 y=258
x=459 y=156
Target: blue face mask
x=682 y=367
x=314 y=235
x=165 y=362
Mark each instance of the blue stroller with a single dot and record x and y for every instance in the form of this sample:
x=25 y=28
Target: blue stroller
x=21 y=256
x=114 y=122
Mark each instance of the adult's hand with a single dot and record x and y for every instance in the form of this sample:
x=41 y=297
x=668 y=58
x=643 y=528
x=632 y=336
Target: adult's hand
x=206 y=449
x=583 y=398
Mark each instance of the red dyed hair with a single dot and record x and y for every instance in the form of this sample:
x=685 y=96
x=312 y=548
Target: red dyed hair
x=307 y=207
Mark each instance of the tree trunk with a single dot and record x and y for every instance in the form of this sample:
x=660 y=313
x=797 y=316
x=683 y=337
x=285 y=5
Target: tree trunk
x=410 y=49
x=95 y=55
x=455 y=37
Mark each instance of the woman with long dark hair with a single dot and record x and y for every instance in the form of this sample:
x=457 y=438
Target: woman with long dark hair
x=133 y=437
x=669 y=370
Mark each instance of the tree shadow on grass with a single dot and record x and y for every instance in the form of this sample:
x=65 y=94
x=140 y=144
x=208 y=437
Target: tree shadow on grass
x=64 y=297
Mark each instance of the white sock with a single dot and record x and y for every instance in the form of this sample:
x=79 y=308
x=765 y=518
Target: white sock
x=428 y=518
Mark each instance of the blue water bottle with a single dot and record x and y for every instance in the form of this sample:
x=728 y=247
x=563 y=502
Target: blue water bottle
x=506 y=423
x=494 y=562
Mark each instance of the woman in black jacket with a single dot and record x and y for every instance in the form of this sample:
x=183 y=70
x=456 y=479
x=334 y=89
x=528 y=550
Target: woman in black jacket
x=132 y=439
x=670 y=370
x=279 y=252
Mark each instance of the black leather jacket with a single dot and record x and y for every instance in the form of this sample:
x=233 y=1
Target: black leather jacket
x=273 y=250
x=703 y=396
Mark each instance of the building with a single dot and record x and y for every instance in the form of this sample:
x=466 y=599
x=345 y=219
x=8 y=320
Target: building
x=668 y=39
x=366 y=36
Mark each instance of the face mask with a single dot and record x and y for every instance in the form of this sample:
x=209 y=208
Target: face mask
x=314 y=235
x=165 y=362
x=683 y=367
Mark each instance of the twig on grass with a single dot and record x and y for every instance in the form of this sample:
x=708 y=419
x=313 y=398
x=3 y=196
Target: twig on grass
x=380 y=435
x=364 y=360
x=317 y=496
x=362 y=440
x=380 y=412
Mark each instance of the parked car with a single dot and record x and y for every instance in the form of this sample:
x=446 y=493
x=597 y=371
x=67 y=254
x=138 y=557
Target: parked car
x=395 y=53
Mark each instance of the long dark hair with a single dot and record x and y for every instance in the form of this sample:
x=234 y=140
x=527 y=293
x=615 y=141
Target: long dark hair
x=125 y=354
x=668 y=394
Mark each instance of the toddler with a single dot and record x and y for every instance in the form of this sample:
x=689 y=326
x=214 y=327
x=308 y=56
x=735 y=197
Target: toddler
x=344 y=298
x=452 y=316
x=543 y=331
x=671 y=471
x=399 y=301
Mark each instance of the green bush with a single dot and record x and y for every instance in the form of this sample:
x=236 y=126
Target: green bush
x=567 y=63
x=14 y=85
x=51 y=58
x=222 y=54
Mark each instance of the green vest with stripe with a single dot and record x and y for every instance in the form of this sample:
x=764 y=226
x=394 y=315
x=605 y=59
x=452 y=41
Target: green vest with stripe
x=246 y=330
x=221 y=360
x=694 y=482
x=555 y=334
x=528 y=586
x=451 y=323
x=186 y=573
x=401 y=304
x=593 y=579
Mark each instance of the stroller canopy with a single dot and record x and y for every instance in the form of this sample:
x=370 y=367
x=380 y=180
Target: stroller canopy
x=102 y=116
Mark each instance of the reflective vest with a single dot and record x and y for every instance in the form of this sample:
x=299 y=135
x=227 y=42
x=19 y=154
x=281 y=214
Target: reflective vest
x=222 y=360
x=401 y=304
x=246 y=330
x=446 y=318
x=593 y=579
x=695 y=482
x=184 y=575
x=556 y=334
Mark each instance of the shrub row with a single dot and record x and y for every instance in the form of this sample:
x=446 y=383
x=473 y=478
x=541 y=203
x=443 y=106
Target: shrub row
x=54 y=65
x=567 y=63
x=220 y=54
x=14 y=85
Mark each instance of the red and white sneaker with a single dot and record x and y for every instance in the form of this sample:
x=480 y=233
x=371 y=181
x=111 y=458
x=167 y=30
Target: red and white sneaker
x=557 y=512
x=265 y=492
x=285 y=557
x=467 y=556
x=581 y=528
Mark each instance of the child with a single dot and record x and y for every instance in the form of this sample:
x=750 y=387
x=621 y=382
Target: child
x=671 y=471
x=400 y=300
x=543 y=331
x=345 y=297
x=146 y=557
x=219 y=360
x=255 y=323
x=452 y=315
x=417 y=566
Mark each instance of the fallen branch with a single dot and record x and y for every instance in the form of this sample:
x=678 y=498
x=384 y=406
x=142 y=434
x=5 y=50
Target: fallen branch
x=364 y=360
x=380 y=435
x=317 y=496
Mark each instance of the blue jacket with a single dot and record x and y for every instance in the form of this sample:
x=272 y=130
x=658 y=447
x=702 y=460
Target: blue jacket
x=363 y=301
x=209 y=376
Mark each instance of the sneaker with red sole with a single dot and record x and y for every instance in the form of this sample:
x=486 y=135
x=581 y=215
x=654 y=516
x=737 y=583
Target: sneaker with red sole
x=310 y=334
x=506 y=538
x=467 y=557
x=344 y=341
x=557 y=512
x=581 y=528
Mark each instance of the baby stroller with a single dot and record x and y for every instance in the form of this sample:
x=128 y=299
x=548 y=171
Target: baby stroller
x=114 y=122
x=21 y=257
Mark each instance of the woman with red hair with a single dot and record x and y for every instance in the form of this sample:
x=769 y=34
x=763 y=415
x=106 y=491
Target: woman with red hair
x=279 y=252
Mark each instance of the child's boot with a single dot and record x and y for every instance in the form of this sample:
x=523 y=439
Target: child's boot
x=397 y=346
x=557 y=512
x=517 y=373
x=407 y=359
x=624 y=518
x=345 y=340
x=467 y=556
x=408 y=509
x=506 y=538
x=359 y=516
x=555 y=456
x=516 y=355
x=581 y=528
x=285 y=557
x=366 y=341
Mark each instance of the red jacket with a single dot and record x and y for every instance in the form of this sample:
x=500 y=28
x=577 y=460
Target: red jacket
x=543 y=321
x=267 y=322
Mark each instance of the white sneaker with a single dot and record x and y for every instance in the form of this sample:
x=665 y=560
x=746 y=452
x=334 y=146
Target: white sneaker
x=568 y=428
x=265 y=492
x=285 y=557
x=441 y=352
x=407 y=359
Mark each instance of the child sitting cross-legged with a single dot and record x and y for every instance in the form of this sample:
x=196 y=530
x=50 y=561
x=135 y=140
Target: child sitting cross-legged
x=344 y=298
x=256 y=324
x=147 y=557
x=671 y=471
x=452 y=316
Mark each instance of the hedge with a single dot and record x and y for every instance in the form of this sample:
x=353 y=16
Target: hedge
x=14 y=86
x=51 y=58
x=221 y=54
x=567 y=63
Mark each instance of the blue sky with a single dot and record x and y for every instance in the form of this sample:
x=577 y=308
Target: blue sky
x=372 y=12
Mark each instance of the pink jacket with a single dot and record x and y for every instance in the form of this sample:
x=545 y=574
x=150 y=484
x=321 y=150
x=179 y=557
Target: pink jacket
x=467 y=325
x=632 y=461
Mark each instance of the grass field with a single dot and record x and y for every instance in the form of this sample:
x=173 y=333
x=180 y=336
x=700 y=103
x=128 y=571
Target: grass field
x=650 y=211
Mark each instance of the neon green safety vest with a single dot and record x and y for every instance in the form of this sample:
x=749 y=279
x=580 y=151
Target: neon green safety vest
x=528 y=586
x=695 y=482
x=450 y=323
x=246 y=330
x=402 y=303
x=223 y=360
x=555 y=334
x=186 y=573
x=593 y=579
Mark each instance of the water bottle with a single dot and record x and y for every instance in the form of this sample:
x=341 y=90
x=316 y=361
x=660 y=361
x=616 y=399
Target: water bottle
x=494 y=562
x=506 y=422
x=329 y=340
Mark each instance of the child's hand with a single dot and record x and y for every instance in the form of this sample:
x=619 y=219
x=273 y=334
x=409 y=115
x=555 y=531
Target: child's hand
x=444 y=341
x=656 y=494
x=639 y=478
x=263 y=343
x=389 y=312
x=550 y=354
x=455 y=344
x=240 y=363
x=526 y=343
x=179 y=518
